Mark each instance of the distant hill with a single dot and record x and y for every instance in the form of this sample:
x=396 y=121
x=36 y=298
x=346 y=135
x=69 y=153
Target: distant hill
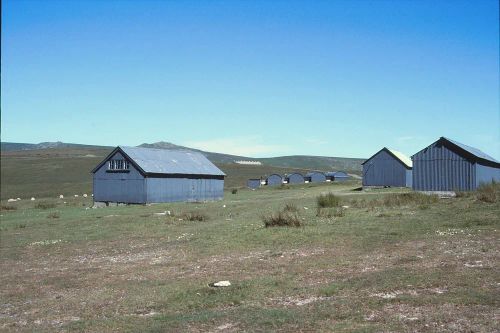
x=15 y=146
x=324 y=163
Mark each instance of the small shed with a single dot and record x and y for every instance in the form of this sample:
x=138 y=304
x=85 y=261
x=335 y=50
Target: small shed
x=294 y=178
x=315 y=177
x=448 y=165
x=387 y=167
x=149 y=175
x=274 y=180
x=336 y=176
x=253 y=183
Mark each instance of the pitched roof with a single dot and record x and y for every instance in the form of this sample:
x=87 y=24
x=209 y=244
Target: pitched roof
x=405 y=160
x=166 y=161
x=474 y=151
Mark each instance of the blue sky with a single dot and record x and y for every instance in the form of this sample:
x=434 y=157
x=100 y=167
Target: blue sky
x=255 y=78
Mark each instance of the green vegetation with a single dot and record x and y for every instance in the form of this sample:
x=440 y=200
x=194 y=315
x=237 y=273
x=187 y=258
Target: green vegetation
x=327 y=200
x=382 y=264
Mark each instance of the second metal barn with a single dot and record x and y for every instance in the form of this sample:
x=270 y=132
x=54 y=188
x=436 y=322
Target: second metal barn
x=387 y=168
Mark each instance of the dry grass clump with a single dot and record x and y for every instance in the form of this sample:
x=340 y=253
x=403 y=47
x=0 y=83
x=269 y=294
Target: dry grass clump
x=488 y=192
x=45 y=205
x=7 y=207
x=330 y=212
x=288 y=217
x=54 y=215
x=327 y=200
x=194 y=216
x=290 y=207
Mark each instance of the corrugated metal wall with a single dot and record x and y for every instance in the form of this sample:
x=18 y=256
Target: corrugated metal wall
x=437 y=168
x=128 y=187
x=295 y=178
x=317 y=177
x=274 y=180
x=253 y=183
x=384 y=170
x=183 y=189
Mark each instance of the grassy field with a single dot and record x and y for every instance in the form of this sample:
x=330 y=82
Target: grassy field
x=392 y=261
x=50 y=172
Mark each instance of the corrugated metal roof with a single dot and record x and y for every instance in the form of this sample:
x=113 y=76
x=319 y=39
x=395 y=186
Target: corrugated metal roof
x=402 y=157
x=474 y=151
x=153 y=160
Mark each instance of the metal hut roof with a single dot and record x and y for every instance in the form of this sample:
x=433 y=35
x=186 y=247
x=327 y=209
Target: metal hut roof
x=165 y=161
x=470 y=152
x=405 y=160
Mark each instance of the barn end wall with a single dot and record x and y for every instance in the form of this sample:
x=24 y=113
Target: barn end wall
x=183 y=189
x=127 y=187
x=437 y=168
x=384 y=170
x=274 y=180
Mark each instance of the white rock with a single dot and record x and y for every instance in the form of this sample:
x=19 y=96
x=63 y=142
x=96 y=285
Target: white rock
x=84 y=195
x=61 y=196
x=223 y=206
x=32 y=199
x=306 y=208
x=345 y=206
x=168 y=212
x=18 y=199
x=11 y=200
x=76 y=195
x=222 y=284
x=92 y=195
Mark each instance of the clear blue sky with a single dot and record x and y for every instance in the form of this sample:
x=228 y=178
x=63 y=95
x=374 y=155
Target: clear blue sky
x=257 y=78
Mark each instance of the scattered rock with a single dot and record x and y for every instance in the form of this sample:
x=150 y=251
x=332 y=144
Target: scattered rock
x=345 y=206
x=76 y=195
x=306 y=208
x=61 y=196
x=19 y=199
x=84 y=195
x=220 y=284
x=11 y=200
x=32 y=199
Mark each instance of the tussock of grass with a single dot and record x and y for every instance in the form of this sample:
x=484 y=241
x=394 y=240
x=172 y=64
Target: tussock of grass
x=282 y=219
x=7 y=207
x=45 y=205
x=330 y=212
x=194 y=216
x=290 y=207
x=488 y=192
x=327 y=200
x=234 y=191
x=54 y=215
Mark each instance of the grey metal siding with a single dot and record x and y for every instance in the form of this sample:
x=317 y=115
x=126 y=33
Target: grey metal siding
x=437 y=168
x=409 y=178
x=183 y=189
x=486 y=174
x=253 y=183
x=128 y=187
x=316 y=177
x=384 y=170
x=295 y=178
x=274 y=180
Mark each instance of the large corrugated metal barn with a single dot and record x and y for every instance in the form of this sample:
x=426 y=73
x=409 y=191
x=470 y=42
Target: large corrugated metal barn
x=148 y=175
x=387 y=168
x=253 y=183
x=447 y=165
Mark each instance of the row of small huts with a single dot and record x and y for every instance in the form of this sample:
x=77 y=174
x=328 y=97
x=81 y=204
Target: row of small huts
x=147 y=175
x=445 y=165
x=297 y=178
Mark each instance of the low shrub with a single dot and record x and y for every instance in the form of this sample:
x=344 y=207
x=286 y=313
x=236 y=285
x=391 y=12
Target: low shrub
x=194 y=216
x=327 y=200
x=282 y=219
x=45 y=205
x=7 y=207
x=54 y=215
x=234 y=191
